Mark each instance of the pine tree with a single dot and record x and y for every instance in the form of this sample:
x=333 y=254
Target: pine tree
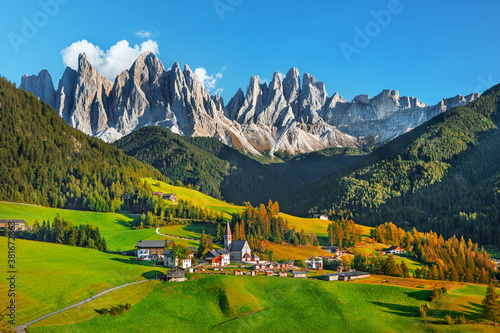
x=491 y=305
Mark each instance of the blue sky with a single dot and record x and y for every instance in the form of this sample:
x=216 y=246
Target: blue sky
x=426 y=49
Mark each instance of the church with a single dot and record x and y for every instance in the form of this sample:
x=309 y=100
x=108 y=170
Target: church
x=240 y=250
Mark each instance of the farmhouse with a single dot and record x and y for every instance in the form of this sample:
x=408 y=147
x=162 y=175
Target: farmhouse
x=269 y=273
x=332 y=249
x=218 y=258
x=282 y=274
x=299 y=274
x=346 y=276
x=320 y=216
x=150 y=249
x=393 y=250
x=314 y=262
x=238 y=272
x=239 y=250
x=170 y=196
x=253 y=273
x=169 y=260
x=176 y=274
x=17 y=225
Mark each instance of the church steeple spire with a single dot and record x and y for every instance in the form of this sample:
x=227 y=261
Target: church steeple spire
x=227 y=238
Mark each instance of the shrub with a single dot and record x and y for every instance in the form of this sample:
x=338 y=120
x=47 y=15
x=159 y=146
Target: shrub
x=422 y=310
x=449 y=320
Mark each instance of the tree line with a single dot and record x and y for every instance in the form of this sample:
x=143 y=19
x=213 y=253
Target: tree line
x=61 y=231
x=452 y=259
x=264 y=223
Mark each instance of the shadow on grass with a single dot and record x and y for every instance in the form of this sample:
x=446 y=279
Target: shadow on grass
x=133 y=261
x=128 y=224
x=209 y=228
x=153 y=274
x=421 y=295
x=474 y=310
x=398 y=309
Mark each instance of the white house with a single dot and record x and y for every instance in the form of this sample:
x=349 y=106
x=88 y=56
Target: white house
x=169 y=260
x=321 y=216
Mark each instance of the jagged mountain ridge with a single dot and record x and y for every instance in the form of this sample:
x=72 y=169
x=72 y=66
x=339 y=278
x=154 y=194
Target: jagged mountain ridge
x=284 y=115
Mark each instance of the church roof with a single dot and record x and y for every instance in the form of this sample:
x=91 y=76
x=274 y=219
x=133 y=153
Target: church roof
x=237 y=245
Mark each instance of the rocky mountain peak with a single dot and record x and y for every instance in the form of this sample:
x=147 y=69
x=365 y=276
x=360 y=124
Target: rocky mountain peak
x=40 y=85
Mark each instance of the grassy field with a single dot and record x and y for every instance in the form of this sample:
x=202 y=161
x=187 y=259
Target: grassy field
x=282 y=251
x=263 y=304
x=53 y=276
x=130 y=294
x=118 y=229
x=193 y=231
x=196 y=198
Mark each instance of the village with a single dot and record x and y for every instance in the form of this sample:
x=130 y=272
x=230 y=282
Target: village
x=236 y=258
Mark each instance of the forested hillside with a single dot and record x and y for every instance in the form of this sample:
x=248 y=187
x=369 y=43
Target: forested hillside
x=443 y=176
x=227 y=173
x=45 y=161
x=176 y=158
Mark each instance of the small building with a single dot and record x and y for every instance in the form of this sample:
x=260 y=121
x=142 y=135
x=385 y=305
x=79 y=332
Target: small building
x=314 y=262
x=238 y=272
x=282 y=274
x=332 y=249
x=270 y=266
x=393 y=250
x=253 y=273
x=170 y=196
x=255 y=258
x=269 y=273
x=258 y=267
x=320 y=216
x=150 y=249
x=353 y=275
x=299 y=274
x=214 y=258
x=226 y=257
x=331 y=277
x=176 y=274
x=169 y=260
x=16 y=225
x=158 y=193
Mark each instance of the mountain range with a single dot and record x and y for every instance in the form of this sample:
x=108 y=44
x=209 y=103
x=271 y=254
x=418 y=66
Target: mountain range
x=287 y=114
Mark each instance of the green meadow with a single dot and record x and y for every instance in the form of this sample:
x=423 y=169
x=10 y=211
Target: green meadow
x=266 y=304
x=196 y=198
x=53 y=276
x=118 y=229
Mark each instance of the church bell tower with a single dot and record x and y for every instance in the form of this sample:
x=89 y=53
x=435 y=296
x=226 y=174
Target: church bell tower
x=227 y=238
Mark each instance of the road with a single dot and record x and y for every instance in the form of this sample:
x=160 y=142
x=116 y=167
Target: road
x=23 y=327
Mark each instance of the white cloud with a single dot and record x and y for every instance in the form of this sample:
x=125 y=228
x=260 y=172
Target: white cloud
x=111 y=62
x=144 y=34
x=209 y=81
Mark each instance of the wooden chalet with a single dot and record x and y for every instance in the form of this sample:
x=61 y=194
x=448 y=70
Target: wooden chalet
x=269 y=273
x=176 y=274
x=346 y=276
x=253 y=273
x=150 y=249
x=214 y=258
x=332 y=249
x=170 y=196
x=393 y=250
x=299 y=274
x=16 y=225
x=238 y=272
x=282 y=274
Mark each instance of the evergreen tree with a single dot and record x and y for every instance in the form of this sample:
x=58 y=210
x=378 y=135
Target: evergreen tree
x=491 y=304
